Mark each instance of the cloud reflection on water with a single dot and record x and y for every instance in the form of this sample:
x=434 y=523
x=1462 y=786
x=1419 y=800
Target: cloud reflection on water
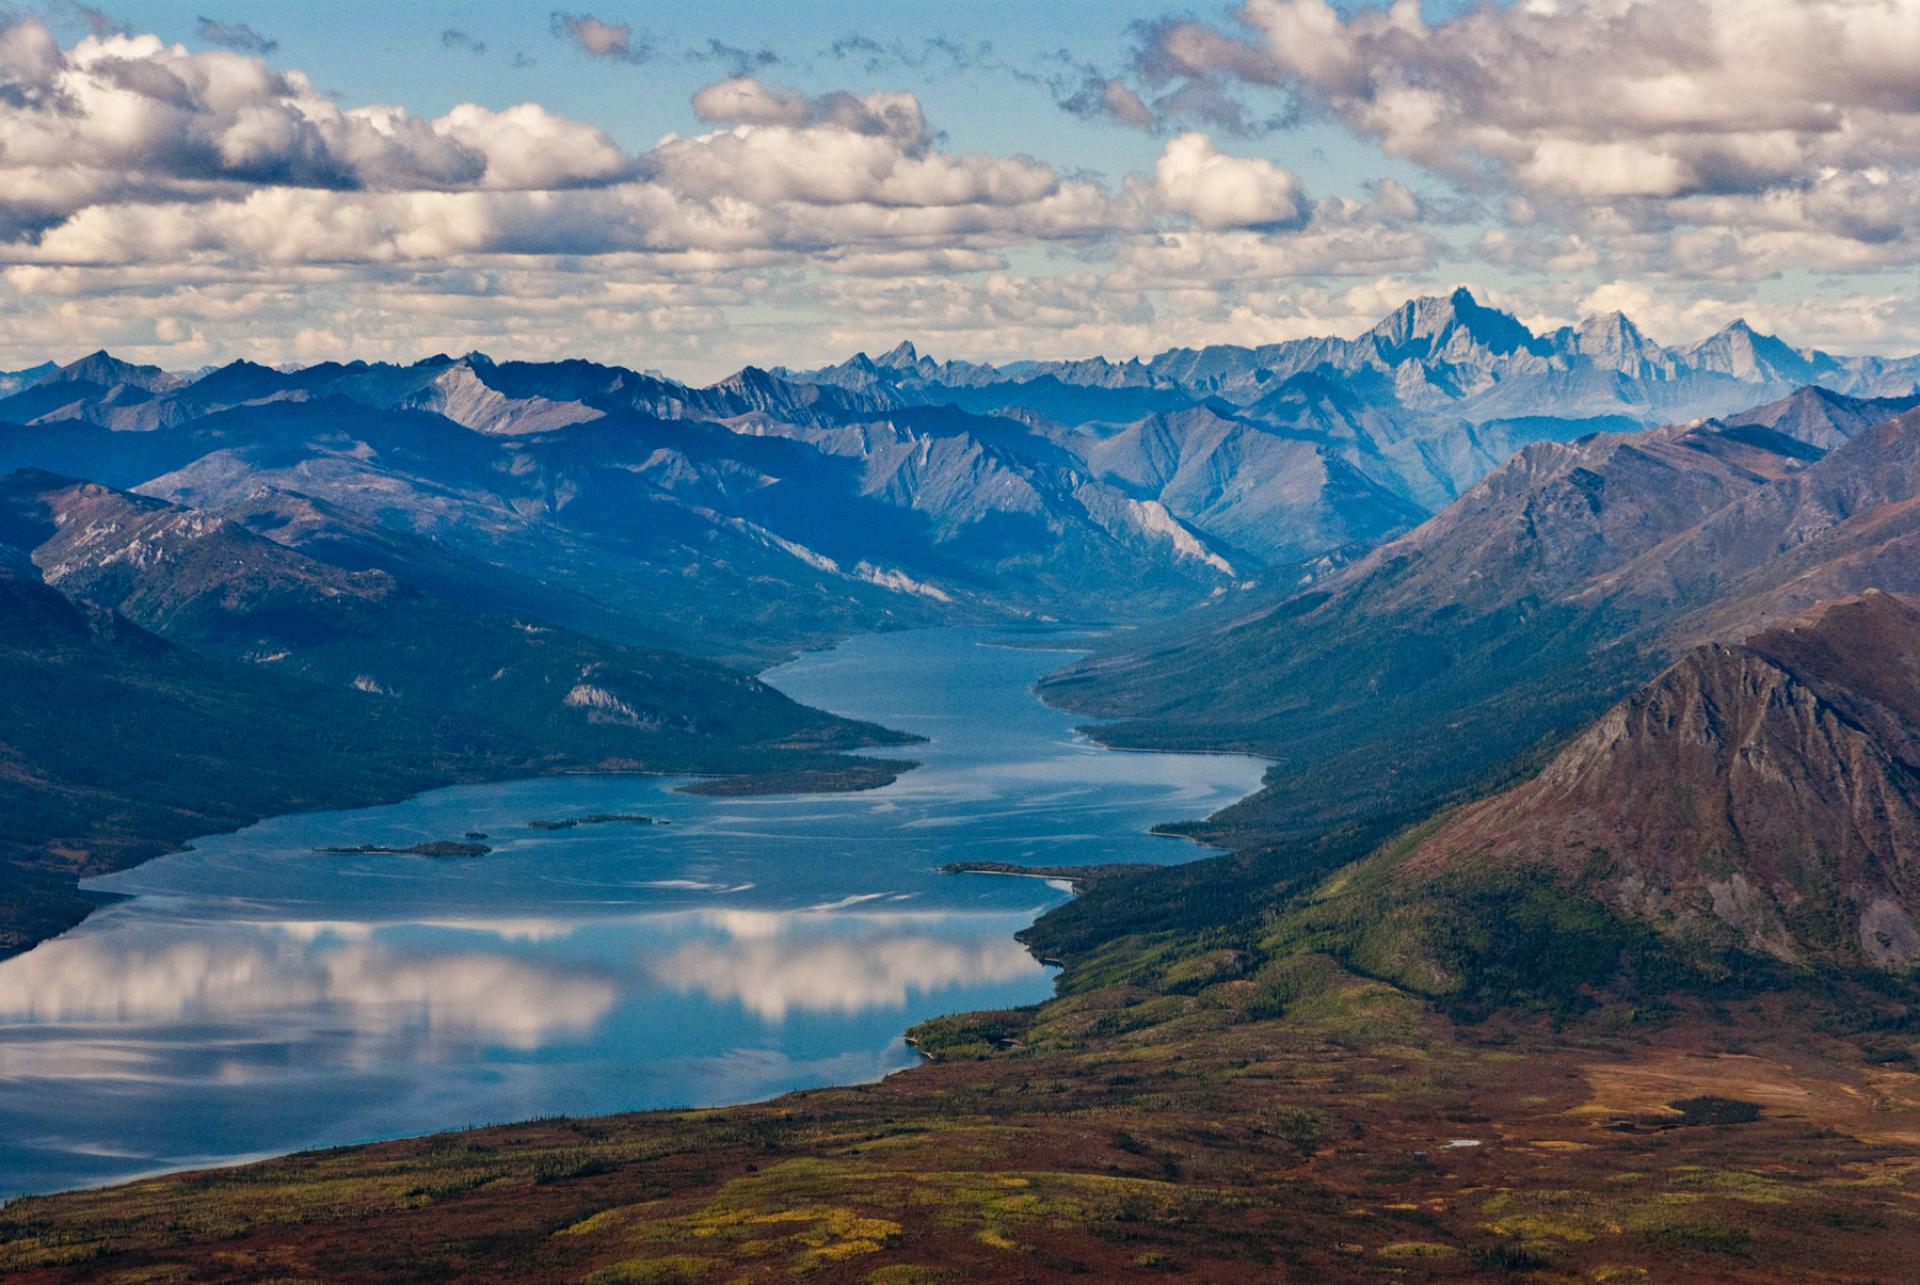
x=104 y=1005
x=772 y=976
x=237 y=972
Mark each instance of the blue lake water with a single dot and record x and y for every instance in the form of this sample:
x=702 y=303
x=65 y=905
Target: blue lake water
x=253 y=996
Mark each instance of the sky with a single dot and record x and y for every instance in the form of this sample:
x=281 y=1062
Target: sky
x=696 y=187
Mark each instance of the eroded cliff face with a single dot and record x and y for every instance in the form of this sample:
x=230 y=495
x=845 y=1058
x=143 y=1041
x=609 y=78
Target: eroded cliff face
x=1765 y=795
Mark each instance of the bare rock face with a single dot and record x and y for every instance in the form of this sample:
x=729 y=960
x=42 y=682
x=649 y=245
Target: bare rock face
x=463 y=397
x=1820 y=417
x=1765 y=794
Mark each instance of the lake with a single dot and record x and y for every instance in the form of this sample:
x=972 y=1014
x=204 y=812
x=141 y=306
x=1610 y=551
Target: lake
x=254 y=996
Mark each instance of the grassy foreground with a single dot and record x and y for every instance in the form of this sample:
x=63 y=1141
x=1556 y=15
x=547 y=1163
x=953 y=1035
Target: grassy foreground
x=1299 y=1123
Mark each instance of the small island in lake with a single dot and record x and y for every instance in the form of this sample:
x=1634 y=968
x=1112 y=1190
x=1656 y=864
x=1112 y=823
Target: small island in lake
x=597 y=818
x=437 y=848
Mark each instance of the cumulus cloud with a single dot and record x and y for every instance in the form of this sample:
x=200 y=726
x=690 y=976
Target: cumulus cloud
x=837 y=149
x=120 y=119
x=528 y=147
x=126 y=150
x=1219 y=191
x=237 y=36
x=597 y=39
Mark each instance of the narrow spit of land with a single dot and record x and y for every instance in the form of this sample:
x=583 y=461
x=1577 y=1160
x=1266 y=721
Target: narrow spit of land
x=1078 y=876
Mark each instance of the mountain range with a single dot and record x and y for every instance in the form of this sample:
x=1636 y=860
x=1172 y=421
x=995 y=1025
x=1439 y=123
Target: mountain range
x=899 y=490
x=1425 y=402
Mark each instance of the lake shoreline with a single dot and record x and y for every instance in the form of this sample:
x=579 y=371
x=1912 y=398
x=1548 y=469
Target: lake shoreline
x=849 y=677
x=853 y=780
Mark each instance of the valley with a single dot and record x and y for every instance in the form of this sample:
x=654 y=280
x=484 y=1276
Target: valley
x=1545 y=700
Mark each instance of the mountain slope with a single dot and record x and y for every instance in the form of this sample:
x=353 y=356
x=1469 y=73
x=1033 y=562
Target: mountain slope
x=1821 y=417
x=614 y=524
x=1849 y=523
x=516 y=686
x=1763 y=795
x=1281 y=497
x=170 y=745
x=1745 y=823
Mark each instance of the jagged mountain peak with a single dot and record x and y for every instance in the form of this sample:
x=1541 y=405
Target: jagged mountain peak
x=462 y=393
x=1613 y=327
x=749 y=377
x=1424 y=326
x=103 y=368
x=1820 y=416
x=1611 y=341
x=901 y=356
x=1739 y=333
x=1737 y=349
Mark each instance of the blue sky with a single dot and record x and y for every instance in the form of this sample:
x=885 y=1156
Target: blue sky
x=990 y=179
x=396 y=55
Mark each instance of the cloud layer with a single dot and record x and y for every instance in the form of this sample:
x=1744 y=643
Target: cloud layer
x=209 y=192
x=191 y=206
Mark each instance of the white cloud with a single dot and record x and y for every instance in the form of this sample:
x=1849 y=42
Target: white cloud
x=527 y=147
x=1684 y=140
x=124 y=119
x=1219 y=191
x=830 y=165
